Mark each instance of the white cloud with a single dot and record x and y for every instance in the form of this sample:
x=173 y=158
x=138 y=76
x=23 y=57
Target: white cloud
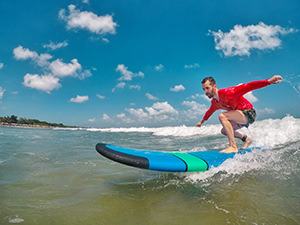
x=44 y=83
x=138 y=113
x=178 y=88
x=105 y=40
x=137 y=87
x=24 y=53
x=41 y=60
x=159 y=68
x=124 y=118
x=120 y=85
x=1 y=94
x=80 y=99
x=53 y=71
x=158 y=112
x=100 y=96
x=195 y=109
x=161 y=108
x=1 y=65
x=106 y=118
x=61 y=69
x=205 y=97
x=250 y=97
x=92 y=120
x=266 y=111
x=195 y=65
x=88 y=20
x=126 y=74
x=54 y=46
x=240 y=40
x=150 y=97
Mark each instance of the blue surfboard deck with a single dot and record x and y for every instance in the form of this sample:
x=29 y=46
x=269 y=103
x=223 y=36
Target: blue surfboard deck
x=165 y=160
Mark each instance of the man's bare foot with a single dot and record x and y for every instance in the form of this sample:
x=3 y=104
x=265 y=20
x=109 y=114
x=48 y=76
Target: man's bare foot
x=230 y=150
x=247 y=143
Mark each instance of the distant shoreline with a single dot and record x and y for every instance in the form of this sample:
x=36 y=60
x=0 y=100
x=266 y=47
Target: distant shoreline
x=18 y=125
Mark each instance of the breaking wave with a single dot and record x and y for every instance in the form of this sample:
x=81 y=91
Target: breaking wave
x=266 y=133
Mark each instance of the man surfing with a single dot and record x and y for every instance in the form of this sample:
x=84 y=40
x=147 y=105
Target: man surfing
x=240 y=111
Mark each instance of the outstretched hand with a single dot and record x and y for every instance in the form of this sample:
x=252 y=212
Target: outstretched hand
x=199 y=124
x=275 y=79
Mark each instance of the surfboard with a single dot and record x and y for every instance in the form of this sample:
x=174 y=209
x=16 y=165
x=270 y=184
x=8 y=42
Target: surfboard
x=171 y=161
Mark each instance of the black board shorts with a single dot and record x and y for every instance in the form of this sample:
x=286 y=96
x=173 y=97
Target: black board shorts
x=250 y=115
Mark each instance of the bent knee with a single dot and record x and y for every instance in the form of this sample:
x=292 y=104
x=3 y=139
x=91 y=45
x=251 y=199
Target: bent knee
x=222 y=116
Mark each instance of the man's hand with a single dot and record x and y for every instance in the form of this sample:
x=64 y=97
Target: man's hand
x=275 y=79
x=200 y=123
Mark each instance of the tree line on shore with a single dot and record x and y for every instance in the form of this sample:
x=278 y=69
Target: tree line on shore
x=14 y=120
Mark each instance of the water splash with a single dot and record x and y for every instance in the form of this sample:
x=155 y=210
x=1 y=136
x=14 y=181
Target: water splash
x=294 y=82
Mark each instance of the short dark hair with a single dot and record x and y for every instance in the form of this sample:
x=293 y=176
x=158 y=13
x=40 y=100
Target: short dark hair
x=210 y=79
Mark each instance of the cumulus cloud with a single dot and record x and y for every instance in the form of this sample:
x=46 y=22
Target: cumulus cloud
x=53 y=71
x=161 y=109
x=195 y=110
x=163 y=113
x=75 y=18
x=177 y=88
x=106 y=117
x=139 y=114
x=120 y=85
x=124 y=118
x=53 y=46
x=127 y=75
x=151 y=97
x=159 y=67
x=158 y=112
x=44 y=83
x=240 y=40
x=61 y=69
x=80 y=99
x=24 y=53
x=249 y=96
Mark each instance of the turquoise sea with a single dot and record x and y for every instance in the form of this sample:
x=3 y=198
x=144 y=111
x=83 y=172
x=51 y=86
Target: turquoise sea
x=55 y=176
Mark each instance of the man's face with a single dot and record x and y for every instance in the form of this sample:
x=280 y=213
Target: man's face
x=209 y=89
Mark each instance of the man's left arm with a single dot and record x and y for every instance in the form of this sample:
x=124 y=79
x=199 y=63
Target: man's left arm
x=245 y=88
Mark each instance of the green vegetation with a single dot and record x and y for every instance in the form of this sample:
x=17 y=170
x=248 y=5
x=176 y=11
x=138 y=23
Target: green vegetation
x=14 y=120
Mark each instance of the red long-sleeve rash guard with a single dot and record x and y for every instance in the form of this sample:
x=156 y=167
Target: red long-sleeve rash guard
x=231 y=98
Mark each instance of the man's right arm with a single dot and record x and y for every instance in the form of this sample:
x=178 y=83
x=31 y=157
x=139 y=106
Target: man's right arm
x=200 y=123
x=208 y=113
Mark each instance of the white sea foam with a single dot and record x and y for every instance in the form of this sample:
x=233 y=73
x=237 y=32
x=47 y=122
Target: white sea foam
x=265 y=133
x=176 y=131
x=279 y=139
x=275 y=132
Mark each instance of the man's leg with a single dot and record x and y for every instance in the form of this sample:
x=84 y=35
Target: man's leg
x=247 y=140
x=226 y=118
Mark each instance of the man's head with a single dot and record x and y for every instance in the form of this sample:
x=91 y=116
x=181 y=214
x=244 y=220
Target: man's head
x=209 y=86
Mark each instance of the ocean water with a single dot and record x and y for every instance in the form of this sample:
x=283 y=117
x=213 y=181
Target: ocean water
x=57 y=177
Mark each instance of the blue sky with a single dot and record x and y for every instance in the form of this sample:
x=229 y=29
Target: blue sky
x=140 y=63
